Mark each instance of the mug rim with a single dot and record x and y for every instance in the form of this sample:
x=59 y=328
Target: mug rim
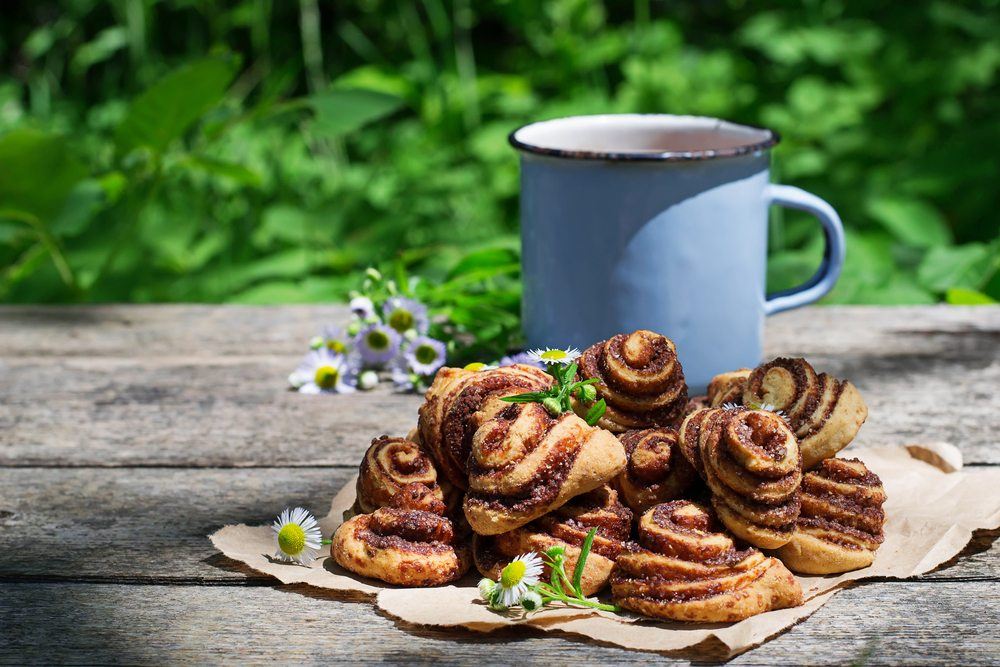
x=771 y=140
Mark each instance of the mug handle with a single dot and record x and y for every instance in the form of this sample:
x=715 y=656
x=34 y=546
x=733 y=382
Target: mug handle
x=833 y=254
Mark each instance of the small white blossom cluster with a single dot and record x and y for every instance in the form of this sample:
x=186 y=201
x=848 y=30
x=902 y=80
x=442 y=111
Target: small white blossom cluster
x=385 y=336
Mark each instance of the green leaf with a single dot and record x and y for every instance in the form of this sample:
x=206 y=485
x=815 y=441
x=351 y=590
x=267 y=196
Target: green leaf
x=581 y=561
x=529 y=397
x=229 y=170
x=498 y=259
x=968 y=266
x=911 y=221
x=595 y=412
x=107 y=42
x=37 y=172
x=341 y=111
x=168 y=108
x=960 y=296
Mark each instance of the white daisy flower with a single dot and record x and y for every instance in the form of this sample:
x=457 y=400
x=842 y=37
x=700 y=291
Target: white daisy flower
x=337 y=340
x=362 y=307
x=403 y=314
x=515 y=579
x=478 y=366
x=297 y=536
x=425 y=355
x=322 y=371
x=554 y=355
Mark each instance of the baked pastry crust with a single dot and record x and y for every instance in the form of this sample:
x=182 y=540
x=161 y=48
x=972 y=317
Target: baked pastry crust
x=402 y=544
x=750 y=461
x=656 y=471
x=727 y=388
x=641 y=381
x=840 y=526
x=526 y=463
x=390 y=464
x=825 y=413
x=445 y=418
x=685 y=570
x=565 y=527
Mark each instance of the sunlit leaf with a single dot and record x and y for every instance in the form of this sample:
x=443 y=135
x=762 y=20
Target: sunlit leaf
x=341 y=111
x=960 y=296
x=969 y=266
x=37 y=172
x=168 y=108
x=911 y=221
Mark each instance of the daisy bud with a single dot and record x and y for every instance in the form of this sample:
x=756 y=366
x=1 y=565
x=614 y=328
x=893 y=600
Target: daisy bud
x=410 y=334
x=486 y=587
x=531 y=601
x=555 y=552
x=367 y=380
x=553 y=406
x=354 y=328
x=316 y=342
x=587 y=393
x=373 y=273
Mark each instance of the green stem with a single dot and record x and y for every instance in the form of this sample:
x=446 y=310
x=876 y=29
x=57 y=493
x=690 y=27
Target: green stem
x=50 y=243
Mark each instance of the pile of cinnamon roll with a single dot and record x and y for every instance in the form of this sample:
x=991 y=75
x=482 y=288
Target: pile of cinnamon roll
x=702 y=507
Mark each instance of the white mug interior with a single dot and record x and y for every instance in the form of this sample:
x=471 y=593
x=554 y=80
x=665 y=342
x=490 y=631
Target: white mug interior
x=643 y=136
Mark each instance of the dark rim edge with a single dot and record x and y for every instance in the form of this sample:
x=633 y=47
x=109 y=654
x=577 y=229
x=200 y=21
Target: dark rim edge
x=667 y=156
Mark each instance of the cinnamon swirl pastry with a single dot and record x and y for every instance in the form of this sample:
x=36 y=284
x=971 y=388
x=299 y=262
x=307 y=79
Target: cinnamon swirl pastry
x=526 y=463
x=567 y=527
x=825 y=413
x=656 y=470
x=388 y=466
x=455 y=396
x=840 y=526
x=640 y=380
x=727 y=388
x=750 y=461
x=685 y=570
x=403 y=544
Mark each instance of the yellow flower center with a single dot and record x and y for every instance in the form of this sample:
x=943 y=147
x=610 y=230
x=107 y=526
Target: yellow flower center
x=336 y=346
x=513 y=574
x=326 y=377
x=554 y=355
x=475 y=366
x=401 y=320
x=425 y=354
x=377 y=340
x=292 y=539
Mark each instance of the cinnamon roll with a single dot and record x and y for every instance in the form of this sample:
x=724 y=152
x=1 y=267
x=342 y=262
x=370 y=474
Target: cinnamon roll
x=388 y=466
x=840 y=526
x=566 y=527
x=825 y=413
x=526 y=463
x=685 y=570
x=403 y=544
x=726 y=388
x=455 y=396
x=640 y=380
x=750 y=461
x=656 y=470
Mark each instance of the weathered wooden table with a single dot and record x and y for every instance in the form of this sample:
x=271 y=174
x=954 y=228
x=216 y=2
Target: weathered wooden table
x=128 y=433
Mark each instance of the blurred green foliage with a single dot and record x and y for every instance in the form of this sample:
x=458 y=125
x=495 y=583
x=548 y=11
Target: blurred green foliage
x=262 y=151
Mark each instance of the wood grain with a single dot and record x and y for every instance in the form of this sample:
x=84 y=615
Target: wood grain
x=885 y=624
x=128 y=433
x=150 y=525
x=205 y=386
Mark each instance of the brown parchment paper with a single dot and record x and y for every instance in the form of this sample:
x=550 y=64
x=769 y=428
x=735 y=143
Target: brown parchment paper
x=932 y=508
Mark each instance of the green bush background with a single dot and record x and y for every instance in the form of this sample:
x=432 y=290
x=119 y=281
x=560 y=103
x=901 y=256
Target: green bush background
x=264 y=151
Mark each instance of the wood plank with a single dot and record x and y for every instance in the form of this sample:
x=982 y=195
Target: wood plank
x=150 y=525
x=205 y=386
x=921 y=623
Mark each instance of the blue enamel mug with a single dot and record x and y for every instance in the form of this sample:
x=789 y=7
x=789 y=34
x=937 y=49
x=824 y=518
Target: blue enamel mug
x=657 y=222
